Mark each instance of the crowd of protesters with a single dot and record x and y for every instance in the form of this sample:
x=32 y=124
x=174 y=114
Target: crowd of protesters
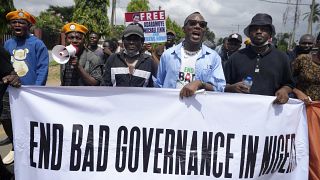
x=189 y=65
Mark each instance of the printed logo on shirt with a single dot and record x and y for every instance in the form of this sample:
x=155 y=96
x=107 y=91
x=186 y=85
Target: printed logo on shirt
x=186 y=76
x=18 y=61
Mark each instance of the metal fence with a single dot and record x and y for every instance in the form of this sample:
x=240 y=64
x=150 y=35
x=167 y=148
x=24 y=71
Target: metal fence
x=49 y=38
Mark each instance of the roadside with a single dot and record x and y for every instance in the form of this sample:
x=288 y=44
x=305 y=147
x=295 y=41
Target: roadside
x=54 y=74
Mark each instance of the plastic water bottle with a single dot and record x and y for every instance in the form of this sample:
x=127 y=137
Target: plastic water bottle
x=248 y=81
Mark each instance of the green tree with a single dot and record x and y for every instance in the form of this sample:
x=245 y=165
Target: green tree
x=117 y=31
x=65 y=13
x=283 y=41
x=220 y=41
x=209 y=35
x=138 y=5
x=92 y=14
x=48 y=20
x=5 y=7
x=173 y=26
x=314 y=17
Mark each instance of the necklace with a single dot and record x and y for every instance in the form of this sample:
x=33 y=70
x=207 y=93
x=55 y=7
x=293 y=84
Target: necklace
x=191 y=53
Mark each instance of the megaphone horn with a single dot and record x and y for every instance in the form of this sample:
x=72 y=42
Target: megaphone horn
x=61 y=54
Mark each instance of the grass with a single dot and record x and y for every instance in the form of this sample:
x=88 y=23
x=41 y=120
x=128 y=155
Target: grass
x=54 y=74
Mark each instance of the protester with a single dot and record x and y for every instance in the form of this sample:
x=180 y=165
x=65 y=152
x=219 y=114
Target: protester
x=130 y=67
x=30 y=60
x=305 y=45
x=190 y=65
x=109 y=47
x=222 y=48
x=8 y=76
x=85 y=68
x=234 y=43
x=93 y=44
x=306 y=69
x=171 y=36
x=268 y=66
x=148 y=49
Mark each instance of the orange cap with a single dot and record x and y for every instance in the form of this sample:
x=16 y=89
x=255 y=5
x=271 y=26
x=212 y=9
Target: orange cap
x=74 y=27
x=21 y=14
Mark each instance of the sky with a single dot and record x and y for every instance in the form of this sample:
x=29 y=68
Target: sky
x=224 y=17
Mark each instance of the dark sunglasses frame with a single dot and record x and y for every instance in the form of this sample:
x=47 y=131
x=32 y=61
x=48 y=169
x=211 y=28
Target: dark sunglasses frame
x=202 y=24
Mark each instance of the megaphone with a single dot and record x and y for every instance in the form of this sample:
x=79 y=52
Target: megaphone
x=62 y=54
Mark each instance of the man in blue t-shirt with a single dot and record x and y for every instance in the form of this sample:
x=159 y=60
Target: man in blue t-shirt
x=30 y=59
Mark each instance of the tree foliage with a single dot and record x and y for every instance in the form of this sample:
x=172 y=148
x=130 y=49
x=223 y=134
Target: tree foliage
x=5 y=7
x=117 y=31
x=65 y=13
x=48 y=20
x=92 y=14
x=173 y=26
x=138 y=5
x=315 y=15
x=283 y=41
x=209 y=35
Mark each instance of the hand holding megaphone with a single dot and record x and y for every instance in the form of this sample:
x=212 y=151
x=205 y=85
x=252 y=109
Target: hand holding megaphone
x=62 y=54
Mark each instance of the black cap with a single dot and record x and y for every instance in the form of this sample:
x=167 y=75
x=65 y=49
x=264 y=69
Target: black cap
x=133 y=29
x=235 y=36
x=261 y=19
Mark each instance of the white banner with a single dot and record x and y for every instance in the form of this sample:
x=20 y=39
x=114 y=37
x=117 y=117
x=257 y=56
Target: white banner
x=103 y=133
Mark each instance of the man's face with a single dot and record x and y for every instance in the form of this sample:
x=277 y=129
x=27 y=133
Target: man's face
x=20 y=27
x=106 y=48
x=76 y=39
x=306 y=44
x=93 y=39
x=233 y=45
x=170 y=40
x=194 y=29
x=148 y=47
x=132 y=44
x=259 y=35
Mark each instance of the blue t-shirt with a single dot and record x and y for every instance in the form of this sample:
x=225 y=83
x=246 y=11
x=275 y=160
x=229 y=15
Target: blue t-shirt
x=30 y=59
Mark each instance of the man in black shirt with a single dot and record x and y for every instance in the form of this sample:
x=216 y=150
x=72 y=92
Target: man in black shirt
x=130 y=67
x=8 y=76
x=268 y=67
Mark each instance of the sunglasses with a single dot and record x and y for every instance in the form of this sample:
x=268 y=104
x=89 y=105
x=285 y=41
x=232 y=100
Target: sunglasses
x=202 y=24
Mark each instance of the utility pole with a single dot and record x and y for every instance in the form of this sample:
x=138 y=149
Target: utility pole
x=113 y=12
x=295 y=22
x=311 y=17
x=238 y=27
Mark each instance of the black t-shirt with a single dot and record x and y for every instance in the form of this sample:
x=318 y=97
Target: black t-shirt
x=270 y=70
x=5 y=65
